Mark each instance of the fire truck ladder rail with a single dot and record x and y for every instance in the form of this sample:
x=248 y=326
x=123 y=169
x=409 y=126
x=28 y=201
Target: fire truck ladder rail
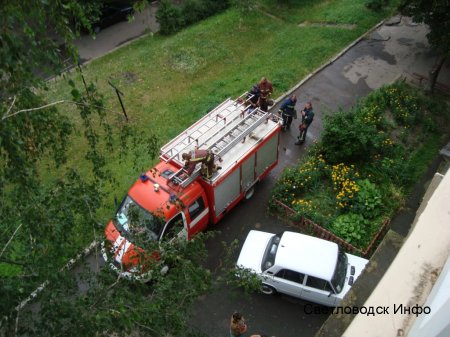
x=250 y=122
x=182 y=178
x=193 y=138
x=225 y=143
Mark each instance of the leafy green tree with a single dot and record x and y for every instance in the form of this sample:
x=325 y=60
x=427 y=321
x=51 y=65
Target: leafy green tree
x=114 y=306
x=436 y=14
x=49 y=204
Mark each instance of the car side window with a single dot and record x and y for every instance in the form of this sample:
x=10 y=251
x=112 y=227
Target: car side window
x=173 y=227
x=318 y=283
x=291 y=275
x=196 y=208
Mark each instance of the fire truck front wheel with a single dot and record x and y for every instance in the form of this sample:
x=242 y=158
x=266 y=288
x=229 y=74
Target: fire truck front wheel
x=249 y=193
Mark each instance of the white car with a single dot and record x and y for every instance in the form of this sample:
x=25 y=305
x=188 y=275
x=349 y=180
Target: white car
x=299 y=265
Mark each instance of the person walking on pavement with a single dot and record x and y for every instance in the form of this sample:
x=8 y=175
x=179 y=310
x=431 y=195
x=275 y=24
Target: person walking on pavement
x=238 y=327
x=288 y=112
x=307 y=118
x=266 y=89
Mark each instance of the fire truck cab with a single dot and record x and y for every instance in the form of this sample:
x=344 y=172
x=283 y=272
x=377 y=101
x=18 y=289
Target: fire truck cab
x=166 y=202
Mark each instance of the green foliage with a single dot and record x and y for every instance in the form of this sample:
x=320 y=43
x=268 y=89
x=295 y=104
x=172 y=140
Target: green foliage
x=49 y=205
x=368 y=201
x=365 y=163
x=296 y=181
x=348 y=138
x=376 y=5
x=403 y=105
x=169 y=17
x=436 y=15
x=353 y=228
x=172 y=18
x=111 y=305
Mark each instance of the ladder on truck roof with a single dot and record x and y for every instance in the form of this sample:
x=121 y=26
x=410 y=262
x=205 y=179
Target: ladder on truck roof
x=230 y=133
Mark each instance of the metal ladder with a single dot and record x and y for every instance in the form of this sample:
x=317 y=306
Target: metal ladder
x=239 y=132
x=218 y=115
x=250 y=120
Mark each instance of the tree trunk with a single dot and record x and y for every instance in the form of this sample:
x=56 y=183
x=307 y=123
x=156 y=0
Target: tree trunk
x=434 y=73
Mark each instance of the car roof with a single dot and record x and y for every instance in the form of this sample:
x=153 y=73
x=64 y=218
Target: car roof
x=307 y=254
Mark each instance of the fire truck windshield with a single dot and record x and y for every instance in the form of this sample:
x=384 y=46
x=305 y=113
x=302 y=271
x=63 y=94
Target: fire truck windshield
x=134 y=222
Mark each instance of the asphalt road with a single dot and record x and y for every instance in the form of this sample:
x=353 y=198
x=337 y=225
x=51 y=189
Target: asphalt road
x=388 y=53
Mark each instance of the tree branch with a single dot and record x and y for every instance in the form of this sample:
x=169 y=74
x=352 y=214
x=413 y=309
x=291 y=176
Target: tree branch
x=10 y=239
x=12 y=104
x=7 y=114
x=145 y=326
x=17 y=263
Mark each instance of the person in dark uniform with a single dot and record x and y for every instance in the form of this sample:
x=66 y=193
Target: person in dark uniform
x=307 y=118
x=288 y=112
x=253 y=97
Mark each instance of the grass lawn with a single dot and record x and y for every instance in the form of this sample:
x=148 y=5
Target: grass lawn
x=169 y=82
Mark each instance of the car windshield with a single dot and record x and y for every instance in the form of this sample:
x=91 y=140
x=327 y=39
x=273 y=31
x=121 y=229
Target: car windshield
x=340 y=272
x=270 y=253
x=137 y=224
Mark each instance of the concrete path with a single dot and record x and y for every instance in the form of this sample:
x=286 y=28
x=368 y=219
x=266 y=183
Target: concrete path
x=117 y=35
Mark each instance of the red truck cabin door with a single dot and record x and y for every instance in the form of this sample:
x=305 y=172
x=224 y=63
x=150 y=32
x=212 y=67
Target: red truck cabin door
x=176 y=227
x=198 y=213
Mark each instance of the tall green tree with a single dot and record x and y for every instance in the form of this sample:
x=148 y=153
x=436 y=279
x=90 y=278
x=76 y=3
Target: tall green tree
x=436 y=14
x=49 y=204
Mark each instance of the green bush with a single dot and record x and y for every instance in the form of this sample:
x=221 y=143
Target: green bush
x=403 y=104
x=173 y=18
x=368 y=200
x=352 y=228
x=348 y=138
x=169 y=17
x=376 y=5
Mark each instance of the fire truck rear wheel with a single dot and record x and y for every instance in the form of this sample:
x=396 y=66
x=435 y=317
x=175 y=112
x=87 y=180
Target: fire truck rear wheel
x=249 y=193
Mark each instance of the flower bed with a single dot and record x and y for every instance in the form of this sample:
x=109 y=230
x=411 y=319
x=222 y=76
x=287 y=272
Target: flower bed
x=351 y=182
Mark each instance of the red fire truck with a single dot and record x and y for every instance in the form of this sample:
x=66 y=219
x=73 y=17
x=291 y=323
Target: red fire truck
x=166 y=202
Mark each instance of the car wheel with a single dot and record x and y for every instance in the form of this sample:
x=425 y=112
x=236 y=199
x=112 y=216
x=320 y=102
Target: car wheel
x=249 y=193
x=268 y=290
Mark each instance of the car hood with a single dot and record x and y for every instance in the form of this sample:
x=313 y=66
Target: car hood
x=359 y=264
x=252 y=251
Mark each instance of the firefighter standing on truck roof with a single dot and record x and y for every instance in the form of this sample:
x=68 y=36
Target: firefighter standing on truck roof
x=205 y=157
x=266 y=89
